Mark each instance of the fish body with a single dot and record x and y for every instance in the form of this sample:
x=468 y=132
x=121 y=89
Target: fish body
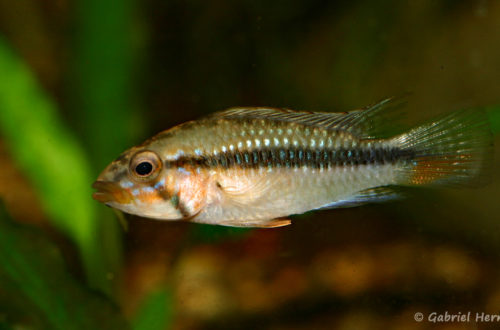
x=253 y=167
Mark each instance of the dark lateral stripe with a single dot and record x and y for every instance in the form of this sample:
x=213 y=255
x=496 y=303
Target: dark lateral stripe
x=296 y=157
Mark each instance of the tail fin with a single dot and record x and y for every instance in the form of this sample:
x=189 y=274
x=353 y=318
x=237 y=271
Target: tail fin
x=454 y=150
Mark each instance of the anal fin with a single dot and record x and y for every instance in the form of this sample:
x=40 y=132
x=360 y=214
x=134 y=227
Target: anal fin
x=273 y=223
x=372 y=195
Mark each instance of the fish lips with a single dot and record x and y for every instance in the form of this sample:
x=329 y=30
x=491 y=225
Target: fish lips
x=108 y=191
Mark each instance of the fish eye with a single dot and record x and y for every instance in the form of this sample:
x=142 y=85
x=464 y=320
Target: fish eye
x=145 y=164
x=144 y=168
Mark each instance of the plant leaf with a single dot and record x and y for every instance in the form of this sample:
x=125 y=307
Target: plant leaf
x=37 y=289
x=51 y=157
x=155 y=312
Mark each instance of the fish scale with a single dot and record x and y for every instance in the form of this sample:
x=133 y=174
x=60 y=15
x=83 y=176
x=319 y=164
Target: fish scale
x=292 y=157
x=286 y=150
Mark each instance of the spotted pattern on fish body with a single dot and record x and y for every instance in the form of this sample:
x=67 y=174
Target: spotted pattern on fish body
x=257 y=143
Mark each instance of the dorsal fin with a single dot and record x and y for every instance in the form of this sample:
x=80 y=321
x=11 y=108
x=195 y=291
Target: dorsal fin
x=364 y=123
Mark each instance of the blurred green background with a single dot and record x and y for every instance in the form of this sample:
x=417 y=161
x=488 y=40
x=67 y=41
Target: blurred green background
x=81 y=81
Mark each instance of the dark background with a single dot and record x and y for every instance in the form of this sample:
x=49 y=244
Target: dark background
x=81 y=81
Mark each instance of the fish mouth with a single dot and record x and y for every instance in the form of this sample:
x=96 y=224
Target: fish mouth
x=108 y=191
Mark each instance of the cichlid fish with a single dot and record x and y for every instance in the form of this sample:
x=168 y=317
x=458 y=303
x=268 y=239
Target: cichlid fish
x=253 y=167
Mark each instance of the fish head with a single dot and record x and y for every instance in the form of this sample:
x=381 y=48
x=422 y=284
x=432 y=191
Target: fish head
x=139 y=183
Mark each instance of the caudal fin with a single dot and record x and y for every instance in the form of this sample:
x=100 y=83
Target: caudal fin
x=453 y=150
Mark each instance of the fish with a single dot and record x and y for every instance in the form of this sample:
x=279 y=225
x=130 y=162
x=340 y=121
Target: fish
x=255 y=167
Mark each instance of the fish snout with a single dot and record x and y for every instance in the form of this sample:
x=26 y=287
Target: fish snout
x=108 y=191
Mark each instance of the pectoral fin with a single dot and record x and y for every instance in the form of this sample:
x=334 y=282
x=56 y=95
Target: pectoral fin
x=245 y=194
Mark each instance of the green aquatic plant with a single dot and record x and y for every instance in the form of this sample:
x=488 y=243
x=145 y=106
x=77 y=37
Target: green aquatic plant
x=494 y=114
x=60 y=161
x=155 y=313
x=51 y=156
x=102 y=100
x=37 y=290
x=31 y=268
